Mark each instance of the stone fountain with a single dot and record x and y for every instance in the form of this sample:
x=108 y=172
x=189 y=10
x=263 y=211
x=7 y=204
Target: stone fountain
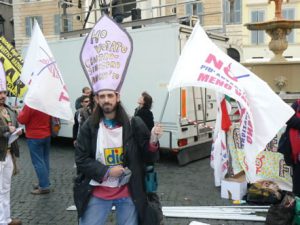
x=280 y=74
x=277 y=29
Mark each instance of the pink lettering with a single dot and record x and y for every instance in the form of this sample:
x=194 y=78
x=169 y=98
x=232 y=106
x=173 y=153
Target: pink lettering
x=238 y=92
x=227 y=86
x=217 y=64
x=220 y=83
x=62 y=97
x=203 y=77
x=212 y=80
x=228 y=72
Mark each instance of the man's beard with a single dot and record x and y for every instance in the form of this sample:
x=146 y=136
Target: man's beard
x=2 y=101
x=107 y=108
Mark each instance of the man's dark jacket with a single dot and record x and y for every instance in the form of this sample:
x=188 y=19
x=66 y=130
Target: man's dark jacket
x=4 y=134
x=135 y=146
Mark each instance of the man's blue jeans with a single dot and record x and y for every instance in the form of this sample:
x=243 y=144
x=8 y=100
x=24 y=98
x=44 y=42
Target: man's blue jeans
x=39 y=152
x=98 y=210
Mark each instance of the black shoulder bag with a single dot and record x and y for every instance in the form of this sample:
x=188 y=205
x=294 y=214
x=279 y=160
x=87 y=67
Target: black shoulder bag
x=285 y=148
x=153 y=213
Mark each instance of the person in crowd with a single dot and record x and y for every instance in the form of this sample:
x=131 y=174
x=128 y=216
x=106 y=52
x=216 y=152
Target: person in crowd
x=81 y=115
x=86 y=91
x=111 y=154
x=38 y=134
x=8 y=154
x=144 y=110
x=293 y=129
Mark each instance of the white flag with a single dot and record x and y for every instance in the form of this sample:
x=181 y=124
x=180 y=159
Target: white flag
x=2 y=78
x=263 y=113
x=47 y=91
x=219 y=154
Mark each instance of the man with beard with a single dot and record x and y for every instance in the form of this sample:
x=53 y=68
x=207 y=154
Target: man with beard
x=8 y=154
x=111 y=155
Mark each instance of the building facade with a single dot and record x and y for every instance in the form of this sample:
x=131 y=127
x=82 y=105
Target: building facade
x=54 y=19
x=6 y=20
x=49 y=14
x=255 y=43
x=222 y=16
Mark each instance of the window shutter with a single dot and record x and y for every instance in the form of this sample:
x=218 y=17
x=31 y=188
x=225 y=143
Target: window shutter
x=200 y=11
x=57 y=24
x=28 y=26
x=290 y=15
x=199 y=8
x=70 y=22
x=260 y=16
x=227 y=11
x=39 y=19
x=237 y=11
x=189 y=9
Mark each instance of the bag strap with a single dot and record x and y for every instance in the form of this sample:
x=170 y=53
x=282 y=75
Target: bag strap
x=298 y=107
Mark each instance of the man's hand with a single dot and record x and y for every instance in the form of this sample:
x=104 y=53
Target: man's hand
x=156 y=133
x=116 y=171
x=11 y=129
x=20 y=132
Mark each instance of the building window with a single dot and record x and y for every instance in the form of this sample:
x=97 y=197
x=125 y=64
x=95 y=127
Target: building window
x=2 y=20
x=289 y=14
x=59 y=20
x=257 y=36
x=233 y=11
x=234 y=54
x=194 y=9
x=29 y=22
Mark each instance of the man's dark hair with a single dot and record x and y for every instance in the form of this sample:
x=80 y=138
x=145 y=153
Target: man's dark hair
x=121 y=115
x=147 y=100
x=83 y=97
x=85 y=89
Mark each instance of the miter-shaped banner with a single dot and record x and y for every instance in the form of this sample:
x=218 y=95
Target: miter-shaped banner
x=105 y=55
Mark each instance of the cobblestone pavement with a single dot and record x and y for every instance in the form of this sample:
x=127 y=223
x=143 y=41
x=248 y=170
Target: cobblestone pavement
x=190 y=185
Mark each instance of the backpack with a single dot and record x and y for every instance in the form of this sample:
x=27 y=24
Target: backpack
x=283 y=213
x=55 y=126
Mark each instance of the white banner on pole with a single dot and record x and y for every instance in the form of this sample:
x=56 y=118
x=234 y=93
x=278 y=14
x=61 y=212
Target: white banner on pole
x=262 y=111
x=47 y=91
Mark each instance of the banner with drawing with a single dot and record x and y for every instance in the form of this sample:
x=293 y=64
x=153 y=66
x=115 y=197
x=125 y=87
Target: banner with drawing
x=12 y=64
x=105 y=55
x=270 y=164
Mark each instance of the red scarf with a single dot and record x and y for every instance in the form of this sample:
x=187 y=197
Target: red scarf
x=295 y=137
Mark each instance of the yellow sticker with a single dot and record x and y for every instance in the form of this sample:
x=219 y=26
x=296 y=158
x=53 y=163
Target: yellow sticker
x=113 y=156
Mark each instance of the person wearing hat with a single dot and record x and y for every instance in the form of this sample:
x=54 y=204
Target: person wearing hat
x=108 y=146
x=8 y=153
x=112 y=149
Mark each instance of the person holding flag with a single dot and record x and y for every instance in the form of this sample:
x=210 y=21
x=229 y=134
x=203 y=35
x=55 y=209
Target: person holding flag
x=8 y=152
x=46 y=100
x=38 y=134
x=112 y=149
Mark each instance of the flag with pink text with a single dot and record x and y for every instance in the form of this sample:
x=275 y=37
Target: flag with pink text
x=47 y=91
x=262 y=111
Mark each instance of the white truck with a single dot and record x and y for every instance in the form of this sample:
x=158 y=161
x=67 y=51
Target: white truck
x=189 y=113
